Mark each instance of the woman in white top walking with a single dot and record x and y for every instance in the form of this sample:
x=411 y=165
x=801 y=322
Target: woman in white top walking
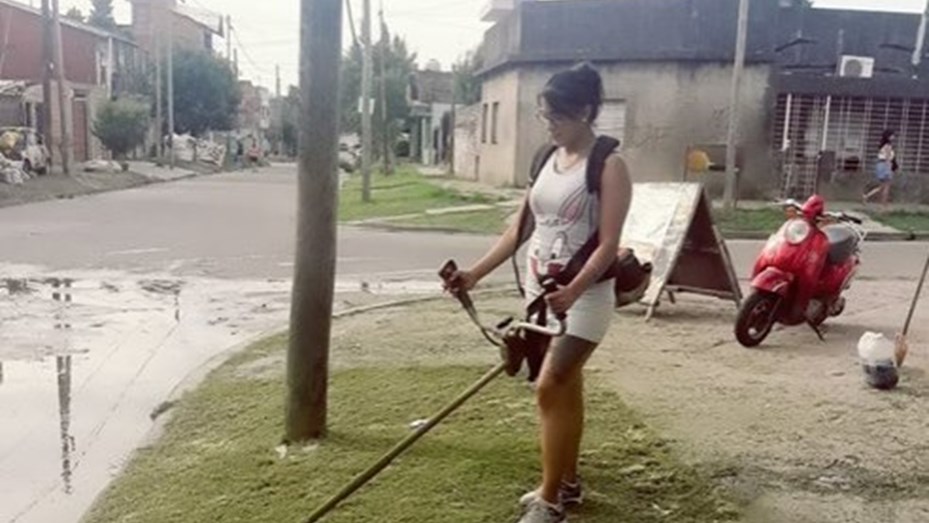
x=884 y=169
x=565 y=215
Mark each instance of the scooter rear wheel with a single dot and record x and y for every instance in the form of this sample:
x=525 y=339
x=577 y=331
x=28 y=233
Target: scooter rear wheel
x=756 y=318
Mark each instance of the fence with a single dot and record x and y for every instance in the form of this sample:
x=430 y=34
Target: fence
x=829 y=144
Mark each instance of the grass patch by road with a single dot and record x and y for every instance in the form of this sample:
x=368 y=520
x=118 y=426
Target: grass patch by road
x=491 y=221
x=749 y=220
x=217 y=459
x=405 y=192
x=903 y=220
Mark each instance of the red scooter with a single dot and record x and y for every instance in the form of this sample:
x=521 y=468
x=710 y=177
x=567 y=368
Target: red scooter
x=802 y=272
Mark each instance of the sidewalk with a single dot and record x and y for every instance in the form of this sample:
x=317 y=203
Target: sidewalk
x=876 y=231
x=510 y=198
x=56 y=185
x=442 y=178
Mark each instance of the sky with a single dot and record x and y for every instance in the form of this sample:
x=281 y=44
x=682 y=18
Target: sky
x=442 y=30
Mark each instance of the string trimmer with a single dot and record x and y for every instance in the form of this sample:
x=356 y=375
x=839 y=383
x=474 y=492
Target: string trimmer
x=509 y=335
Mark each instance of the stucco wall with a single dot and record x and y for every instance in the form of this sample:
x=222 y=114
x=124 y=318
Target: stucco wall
x=670 y=106
x=498 y=161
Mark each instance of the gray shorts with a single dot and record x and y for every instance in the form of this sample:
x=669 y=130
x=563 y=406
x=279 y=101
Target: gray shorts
x=590 y=317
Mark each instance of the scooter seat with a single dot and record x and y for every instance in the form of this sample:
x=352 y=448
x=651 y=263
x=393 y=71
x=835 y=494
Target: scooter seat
x=843 y=243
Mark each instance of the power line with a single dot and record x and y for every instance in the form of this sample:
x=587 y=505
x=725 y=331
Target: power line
x=248 y=56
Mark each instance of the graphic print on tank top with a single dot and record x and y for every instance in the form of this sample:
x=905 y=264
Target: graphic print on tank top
x=564 y=212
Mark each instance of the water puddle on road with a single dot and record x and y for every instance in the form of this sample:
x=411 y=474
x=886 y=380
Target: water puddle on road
x=86 y=358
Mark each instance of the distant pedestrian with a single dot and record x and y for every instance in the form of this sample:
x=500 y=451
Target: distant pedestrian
x=254 y=155
x=884 y=170
x=239 y=153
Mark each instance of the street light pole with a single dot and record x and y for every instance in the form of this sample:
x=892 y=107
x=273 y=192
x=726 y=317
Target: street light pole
x=366 y=136
x=734 y=101
x=170 y=51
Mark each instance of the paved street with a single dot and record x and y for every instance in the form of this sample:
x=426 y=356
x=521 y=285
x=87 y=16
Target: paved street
x=230 y=226
x=108 y=302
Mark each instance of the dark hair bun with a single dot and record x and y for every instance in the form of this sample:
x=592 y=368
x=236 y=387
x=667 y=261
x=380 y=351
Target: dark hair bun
x=570 y=92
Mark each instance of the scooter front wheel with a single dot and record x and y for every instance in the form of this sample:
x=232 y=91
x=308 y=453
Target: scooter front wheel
x=756 y=318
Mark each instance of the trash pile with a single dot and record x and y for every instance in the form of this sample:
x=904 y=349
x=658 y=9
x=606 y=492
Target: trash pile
x=190 y=149
x=12 y=172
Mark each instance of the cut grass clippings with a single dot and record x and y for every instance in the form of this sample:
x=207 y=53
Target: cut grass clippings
x=217 y=460
x=903 y=220
x=404 y=192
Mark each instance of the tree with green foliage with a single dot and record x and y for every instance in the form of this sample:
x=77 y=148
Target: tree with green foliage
x=121 y=125
x=206 y=93
x=101 y=15
x=400 y=64
x=75 y=14
x=467 y=83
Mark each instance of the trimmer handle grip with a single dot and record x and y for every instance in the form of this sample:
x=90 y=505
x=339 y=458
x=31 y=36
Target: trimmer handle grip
x=549 y=285
x=448 y=271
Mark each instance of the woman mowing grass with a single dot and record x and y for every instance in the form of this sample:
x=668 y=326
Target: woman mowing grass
x=566 y=214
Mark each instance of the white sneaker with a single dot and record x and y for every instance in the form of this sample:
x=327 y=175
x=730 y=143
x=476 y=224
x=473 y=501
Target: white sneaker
x=540 y=511
x=568 y=495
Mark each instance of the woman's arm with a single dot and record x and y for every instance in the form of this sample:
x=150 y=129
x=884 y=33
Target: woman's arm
x=504 y=249
x=615 y=199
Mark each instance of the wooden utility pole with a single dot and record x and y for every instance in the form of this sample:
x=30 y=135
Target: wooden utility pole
x=366 y=136
x=48 y=41
x=732 y=174
x=385 y=119
x=170 y=65
x=318 y=182
x=64 y=100
x=452 y=125
x=229 y=39
x=159 y=105
x=6 y=39
x=279 y=117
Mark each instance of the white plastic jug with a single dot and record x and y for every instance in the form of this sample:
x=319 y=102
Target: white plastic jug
x=877 y=360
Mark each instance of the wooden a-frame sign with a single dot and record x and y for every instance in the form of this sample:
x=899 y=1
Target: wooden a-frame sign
x=671 y=226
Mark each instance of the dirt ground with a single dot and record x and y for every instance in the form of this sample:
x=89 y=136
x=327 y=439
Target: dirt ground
x=790 y=429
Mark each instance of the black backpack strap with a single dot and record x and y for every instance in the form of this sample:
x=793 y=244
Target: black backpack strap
x=603 y=148
x=596 y=163
x=526 y=219
x=539 y=160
